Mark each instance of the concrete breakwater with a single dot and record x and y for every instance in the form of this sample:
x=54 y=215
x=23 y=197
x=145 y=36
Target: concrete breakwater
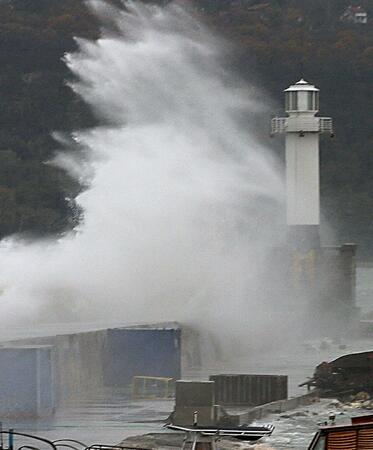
x=279 y=406
x=80 y=363
x=173 y=441
x=196 y=401
x=67 y=367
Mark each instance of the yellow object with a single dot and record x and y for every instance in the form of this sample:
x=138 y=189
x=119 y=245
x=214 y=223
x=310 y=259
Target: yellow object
x=151 y=388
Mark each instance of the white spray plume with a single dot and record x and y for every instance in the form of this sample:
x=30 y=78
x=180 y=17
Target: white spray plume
x=181 y=204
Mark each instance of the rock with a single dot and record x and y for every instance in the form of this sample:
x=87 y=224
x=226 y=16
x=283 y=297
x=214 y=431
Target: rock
x=334 y=404
x=362 y=396
x=298 y=414
x=154 y=440
x=347 y=407
x=368 y=404
x=355 y=404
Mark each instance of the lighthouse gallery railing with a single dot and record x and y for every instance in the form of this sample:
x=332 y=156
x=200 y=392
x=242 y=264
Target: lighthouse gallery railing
x=280 y=125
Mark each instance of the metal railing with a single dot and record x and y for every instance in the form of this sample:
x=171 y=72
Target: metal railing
x=39 y=442
x=280 y=125
x=326 y=125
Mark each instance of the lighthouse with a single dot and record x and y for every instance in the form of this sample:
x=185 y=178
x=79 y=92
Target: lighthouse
x=302 y=129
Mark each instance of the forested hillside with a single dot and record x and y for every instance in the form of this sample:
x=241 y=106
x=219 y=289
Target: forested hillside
x=276 y=41
x=34 y=35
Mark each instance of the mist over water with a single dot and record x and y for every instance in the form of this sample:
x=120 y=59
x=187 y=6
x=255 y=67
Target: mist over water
x=183 y=204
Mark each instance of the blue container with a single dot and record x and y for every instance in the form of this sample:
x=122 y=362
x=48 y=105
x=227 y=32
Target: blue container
x=141 y=351
x=26 y=381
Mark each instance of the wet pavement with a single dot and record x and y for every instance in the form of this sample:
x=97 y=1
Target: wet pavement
x=110 y=416
x=107 y=418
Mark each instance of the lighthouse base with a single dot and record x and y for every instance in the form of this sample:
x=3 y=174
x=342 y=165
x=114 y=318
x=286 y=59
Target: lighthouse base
x=318 y=281
x=303 y=238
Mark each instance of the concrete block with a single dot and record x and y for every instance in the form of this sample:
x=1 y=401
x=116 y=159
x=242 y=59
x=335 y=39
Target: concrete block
x=194 y=396
x=26 y=382
x=184 y=415
x=195 y=393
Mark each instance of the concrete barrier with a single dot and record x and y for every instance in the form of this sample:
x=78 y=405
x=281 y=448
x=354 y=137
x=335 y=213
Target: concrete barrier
x=26 y=382
x=259 y=412
x=194 y=397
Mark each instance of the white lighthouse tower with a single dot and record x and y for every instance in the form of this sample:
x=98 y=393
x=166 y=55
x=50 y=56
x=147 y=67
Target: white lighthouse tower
x=302 y=128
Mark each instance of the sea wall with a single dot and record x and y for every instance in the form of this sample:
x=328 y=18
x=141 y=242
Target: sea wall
x=260 y=412
x=84 y=362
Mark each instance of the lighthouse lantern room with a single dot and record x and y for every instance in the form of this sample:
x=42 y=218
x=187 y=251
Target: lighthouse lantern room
x=302 y=97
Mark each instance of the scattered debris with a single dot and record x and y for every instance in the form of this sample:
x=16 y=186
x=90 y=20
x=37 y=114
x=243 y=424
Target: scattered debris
x=362 y=396
x=350 y=374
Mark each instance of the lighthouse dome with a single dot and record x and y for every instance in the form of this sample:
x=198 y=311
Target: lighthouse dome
x=302 y=97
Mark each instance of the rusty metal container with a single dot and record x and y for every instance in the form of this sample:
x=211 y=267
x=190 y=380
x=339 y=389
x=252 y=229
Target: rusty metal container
x=249 y=390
